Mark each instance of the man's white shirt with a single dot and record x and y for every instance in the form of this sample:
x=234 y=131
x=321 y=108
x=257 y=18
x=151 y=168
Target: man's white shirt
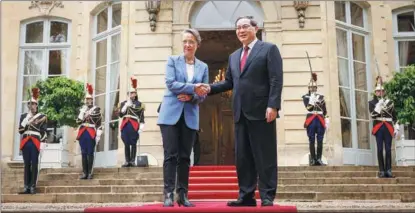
x=250 y=45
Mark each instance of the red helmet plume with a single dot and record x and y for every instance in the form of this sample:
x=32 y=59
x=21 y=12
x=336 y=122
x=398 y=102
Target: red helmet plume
x=134 y=82
x=89 y=89
x=314 y=76
x=35 y=93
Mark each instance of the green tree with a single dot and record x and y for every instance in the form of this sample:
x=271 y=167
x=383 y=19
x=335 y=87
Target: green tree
x=60 y=99
x=401 y=90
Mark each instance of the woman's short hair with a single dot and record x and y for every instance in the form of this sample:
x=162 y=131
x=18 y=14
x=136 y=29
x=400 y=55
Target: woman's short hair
x=195 y=33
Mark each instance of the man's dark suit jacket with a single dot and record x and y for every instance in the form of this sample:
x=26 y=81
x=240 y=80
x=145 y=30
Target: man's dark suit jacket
x=258 y=86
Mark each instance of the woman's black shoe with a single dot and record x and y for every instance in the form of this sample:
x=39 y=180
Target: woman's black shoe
x=168 y=200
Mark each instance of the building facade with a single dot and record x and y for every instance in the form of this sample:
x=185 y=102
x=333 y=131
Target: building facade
x=105 y=42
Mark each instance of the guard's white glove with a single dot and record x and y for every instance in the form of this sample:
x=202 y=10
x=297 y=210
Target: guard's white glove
x=24 y=122
x=378 y=107
x=381 y=101
x=81 y=115
x=98 y=137
x=327 y=121
x=124 y=108
x=141 y=128
x=42 y=146
x=312 y=99
x=396 y=131
x=27 y=119
x=29 y=116
x=317 y=99
x=126 y=105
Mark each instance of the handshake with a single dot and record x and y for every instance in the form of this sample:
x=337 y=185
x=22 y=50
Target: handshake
x=202 y=89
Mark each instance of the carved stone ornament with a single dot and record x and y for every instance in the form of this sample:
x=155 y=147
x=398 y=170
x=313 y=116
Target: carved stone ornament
x=45 y=7
x=153 y=8
x=301 y=6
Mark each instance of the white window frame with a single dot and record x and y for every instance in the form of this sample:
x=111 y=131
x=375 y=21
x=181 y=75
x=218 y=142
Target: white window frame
x=45 y=47
x=400 y=36
x=362 y=31
x=107 y=34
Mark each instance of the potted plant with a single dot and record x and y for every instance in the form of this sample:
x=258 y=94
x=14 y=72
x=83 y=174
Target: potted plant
x=401 y=90
x=60 y=100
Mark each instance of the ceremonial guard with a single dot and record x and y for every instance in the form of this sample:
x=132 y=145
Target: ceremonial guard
x=33 y=128
x=316 y=121
x=89 y=132
x=132 y=115
x=385 y=127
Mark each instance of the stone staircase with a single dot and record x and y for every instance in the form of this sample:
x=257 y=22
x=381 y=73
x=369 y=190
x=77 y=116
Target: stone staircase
x=124 y=185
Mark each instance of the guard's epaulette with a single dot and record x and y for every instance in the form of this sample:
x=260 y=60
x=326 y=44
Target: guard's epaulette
x=143 y=106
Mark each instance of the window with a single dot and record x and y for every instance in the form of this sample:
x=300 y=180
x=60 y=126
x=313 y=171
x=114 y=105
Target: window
x=223 y=14
x=404 y=35
x=353 y=62
x=106 y=66
x=44 y=53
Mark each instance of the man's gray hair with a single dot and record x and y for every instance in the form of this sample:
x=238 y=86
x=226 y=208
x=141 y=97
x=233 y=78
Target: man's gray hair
x=250 y=18
x=195 y=33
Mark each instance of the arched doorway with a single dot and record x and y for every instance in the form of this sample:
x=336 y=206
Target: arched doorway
x=221 y=15
x=216 y=22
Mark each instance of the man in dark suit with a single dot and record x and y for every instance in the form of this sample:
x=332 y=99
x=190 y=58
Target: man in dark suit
x=255 y=75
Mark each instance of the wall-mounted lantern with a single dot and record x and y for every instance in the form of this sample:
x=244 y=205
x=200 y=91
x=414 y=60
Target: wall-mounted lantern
x=301 y=6
x=153 y=8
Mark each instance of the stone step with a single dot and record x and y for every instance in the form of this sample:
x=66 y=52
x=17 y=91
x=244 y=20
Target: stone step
x=217 y=187
x=345 y=206
x=158 y=197
x=211 y=178
x=96 y=170
x=324 y=206
x=160 y=169
x=159 y=181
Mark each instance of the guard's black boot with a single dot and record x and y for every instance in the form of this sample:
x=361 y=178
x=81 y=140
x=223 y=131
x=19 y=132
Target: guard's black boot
x=127 y=156
x=168 y=200
x=33 y=190
x=183 y=200
x=34 y=178
x=26 y=190
x=381 y=165
x=27 y=176
x=133 y=155
x=90 y=164
x=312 y=154
x=388 y=168
x=320 y=153
x=84 y=167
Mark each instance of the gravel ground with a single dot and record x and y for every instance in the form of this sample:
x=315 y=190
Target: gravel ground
x=326 y=206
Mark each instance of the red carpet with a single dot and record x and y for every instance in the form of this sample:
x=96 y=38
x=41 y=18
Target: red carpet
x=214 y=182
x=204 y=207
x=212 y=168
x=206 y=183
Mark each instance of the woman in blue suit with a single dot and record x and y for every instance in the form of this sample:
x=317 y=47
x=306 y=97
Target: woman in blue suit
x=179 y=116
